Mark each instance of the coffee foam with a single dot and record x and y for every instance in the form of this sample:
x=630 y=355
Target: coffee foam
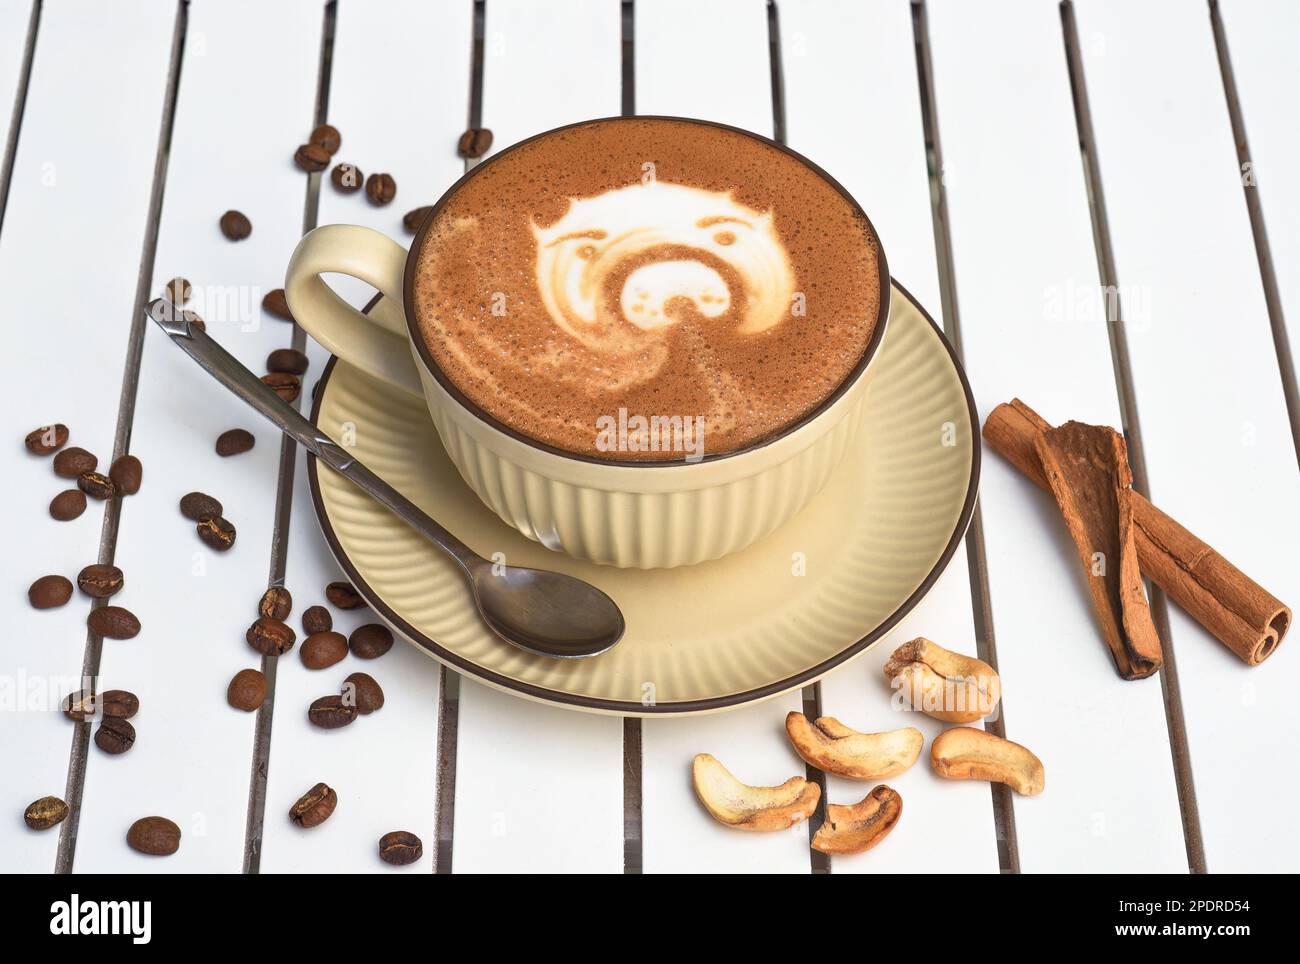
x=654 y=267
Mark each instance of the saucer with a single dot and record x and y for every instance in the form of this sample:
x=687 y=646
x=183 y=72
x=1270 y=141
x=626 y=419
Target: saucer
x=816 y=593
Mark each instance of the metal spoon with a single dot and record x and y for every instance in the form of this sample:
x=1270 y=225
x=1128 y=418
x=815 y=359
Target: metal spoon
x=545 y=613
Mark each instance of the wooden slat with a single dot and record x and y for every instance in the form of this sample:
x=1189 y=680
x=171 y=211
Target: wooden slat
x=1033 y=325
x=851 y=51
x=520 y=767
x=1218 y=445
x=69 y=261
x=384 y=767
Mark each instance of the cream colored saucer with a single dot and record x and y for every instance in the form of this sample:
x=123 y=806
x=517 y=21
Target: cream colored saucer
x=806 y=599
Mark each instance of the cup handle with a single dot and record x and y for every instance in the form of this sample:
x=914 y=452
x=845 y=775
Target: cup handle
x=379 y=346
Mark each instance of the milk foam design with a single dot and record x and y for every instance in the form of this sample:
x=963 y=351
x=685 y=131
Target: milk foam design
x=629 y=254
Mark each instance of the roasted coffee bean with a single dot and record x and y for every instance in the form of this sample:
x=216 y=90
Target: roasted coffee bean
x=216 y=533
x=122 y=704
x=287 y=360
x=327 y=138
x=330 y=712
x=400 y=847
x=49 y=592
x=114 y=735
x=45 y=813
x=236 y=226
x=371 y=641
x=81 y=705
x=343 y=596
x=247 y=690
x=113 y=622
x=317 y=619
x=311 y=158
x=270 y=637
x=235 y=441
x=323 y=649
x=276 y=603
x=412 y=220
x=275 y=302
x=314 y=807
x=285 y=385
x=195 y=320
x=475 y=142
x=126 y=473
x=71 y=462
x=46 y=439
x=346 y=178
x=68 y=504
x=101 y=581
x=199 y=506
x=380 y=189
x=95 y=485
x=155 y=836
x=178 y=291
x=361 y=690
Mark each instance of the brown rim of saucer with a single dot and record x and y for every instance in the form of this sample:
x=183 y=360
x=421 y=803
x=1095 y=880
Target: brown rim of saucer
x=431 y=365
x=635 y=707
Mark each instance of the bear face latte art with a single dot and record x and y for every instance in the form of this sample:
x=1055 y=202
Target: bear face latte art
x=693 y=291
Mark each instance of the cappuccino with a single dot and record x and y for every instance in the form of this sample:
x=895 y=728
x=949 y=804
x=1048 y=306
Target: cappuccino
x=646 y=289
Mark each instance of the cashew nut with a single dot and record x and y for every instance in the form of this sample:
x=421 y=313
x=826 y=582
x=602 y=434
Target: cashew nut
x=831 y=746
x=751 y=808
x=964 y=753
x=854 y=829
x=940 y=683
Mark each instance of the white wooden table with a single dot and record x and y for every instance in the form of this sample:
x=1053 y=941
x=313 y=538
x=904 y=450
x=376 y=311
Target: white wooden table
x=135 y=124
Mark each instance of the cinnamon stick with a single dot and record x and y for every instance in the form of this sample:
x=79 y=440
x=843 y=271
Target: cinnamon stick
x=1088 y=472
x=1235 y=609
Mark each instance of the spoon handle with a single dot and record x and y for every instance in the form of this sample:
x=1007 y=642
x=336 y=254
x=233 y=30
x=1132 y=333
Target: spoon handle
x=228 y=370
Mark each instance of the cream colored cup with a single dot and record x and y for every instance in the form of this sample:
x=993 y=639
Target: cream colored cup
x=647 y=515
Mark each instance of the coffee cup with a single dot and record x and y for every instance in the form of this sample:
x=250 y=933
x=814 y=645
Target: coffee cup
x=591 y=504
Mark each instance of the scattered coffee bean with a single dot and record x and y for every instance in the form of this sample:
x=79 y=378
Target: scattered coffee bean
x=276 y=603
x=412 y=220
x=400 y=847
x=247 y=690
x=95 y=485
x=101 y=581
x=235 y=441
x=380 y=189
x=71 y=462
x=45 y=813
x=68 y=504
x=327 y=138
x=343 y=596
x=216 y=533
x=80 y=706
x=122 y=704
x=236 y=226
x=346 y=178
x=323 y=649
x=199 y=506
x=285 y=385
x=314 y=807
x=361 y=690
x=330 y=712
x=275 y=302
x=178 y=291
x=311 y=158
x=113 y=622
x=371 y=641
x=475 y=142
x=50 y=592
x=270 y=637
x=126 y=473
x=195 y=320
x=114 y=735
x=155 y=836
x=47 y=439
x=317 y=619
x=287 y=360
